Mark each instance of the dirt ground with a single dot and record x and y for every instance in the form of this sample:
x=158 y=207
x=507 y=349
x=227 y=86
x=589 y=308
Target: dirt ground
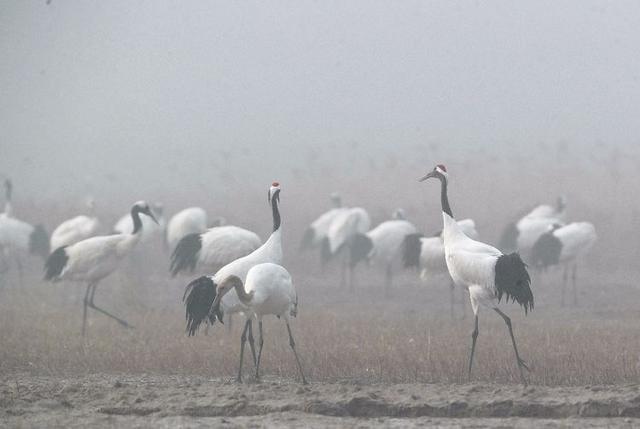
x=186 y=401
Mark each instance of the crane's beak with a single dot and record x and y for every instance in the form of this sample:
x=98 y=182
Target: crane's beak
x=153 y=218
x=427 y=176
x=215 y=308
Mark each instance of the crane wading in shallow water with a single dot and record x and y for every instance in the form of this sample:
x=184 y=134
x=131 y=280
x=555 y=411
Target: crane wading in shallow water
x=201 y=292
x=486 y=272
x=268 y=290
x=95 y=258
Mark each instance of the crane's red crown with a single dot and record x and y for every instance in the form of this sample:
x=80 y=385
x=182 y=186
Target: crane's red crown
x=442 y=167
x=276 y=184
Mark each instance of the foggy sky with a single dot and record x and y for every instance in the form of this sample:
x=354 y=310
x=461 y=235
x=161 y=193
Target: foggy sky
x=153 y=91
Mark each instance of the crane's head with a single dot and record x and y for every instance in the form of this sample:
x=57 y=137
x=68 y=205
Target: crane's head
x=439 y=172
x=561 y=203
x=274 y=192
x=143 y=207
x=399 y=214
x=221 y=290
x=8 y=187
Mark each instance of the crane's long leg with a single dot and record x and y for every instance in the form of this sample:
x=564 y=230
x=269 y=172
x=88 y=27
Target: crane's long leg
x=463 y=300
x=86 y=304
x=451 y=299
x=565 y=275
x=260 y=344
x=243 y=339
x=573 y=280
x=20 y=270
x=521 y=363
x=103 y=311
x=474 y=337
x=252 y=345
x=292 y=343
x=387 y=281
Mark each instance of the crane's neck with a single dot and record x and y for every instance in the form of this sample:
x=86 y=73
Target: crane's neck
x=8 y=207
x=135 y=217
x=276 y=212
x=244 y=296
x=444 y=199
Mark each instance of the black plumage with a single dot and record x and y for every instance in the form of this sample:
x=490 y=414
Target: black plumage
x=185 y=255
x=198 y=298
x=546 y=251
x=411 y=250
x=360 y=246
x=512 y=280
x=55 y=263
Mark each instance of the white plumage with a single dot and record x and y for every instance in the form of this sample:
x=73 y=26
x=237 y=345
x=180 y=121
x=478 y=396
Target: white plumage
x=75 y=229
x=482 y=269
x=200 y=293
x=268 y=290
x=94 y=258
x=317 y=232
x=192 y=220
x=345 y=225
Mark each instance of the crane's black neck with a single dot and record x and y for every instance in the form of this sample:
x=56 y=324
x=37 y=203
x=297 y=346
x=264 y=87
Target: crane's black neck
x=135 y=216
x=274 y=208
x=444 y=199
x=8 y=188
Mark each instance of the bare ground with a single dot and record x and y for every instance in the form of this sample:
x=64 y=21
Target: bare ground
x=168 y=401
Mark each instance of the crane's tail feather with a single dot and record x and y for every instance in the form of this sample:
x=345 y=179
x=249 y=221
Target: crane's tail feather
x=360 y=247
x=512 y=280
x=185 y=256
x=55 y=263
x=198 y=298
x=411 y=250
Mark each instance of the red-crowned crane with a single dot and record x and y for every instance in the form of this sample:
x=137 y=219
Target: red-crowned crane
x=192 y=220
x=201 y=292
x=93 y=259
x=486 y=272
x=76 y=229
x=564 y=245
x=339 y=241
x=316 y=233
x=268 y=290
x=521 y=235
x=383 y=245
x=150 y=230
x=427 y=254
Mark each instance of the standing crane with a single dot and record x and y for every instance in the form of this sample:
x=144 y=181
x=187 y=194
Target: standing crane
x=268 y=291
x=94 y=258
x=564 y=245
x=487 y=273
x=192 y=220
x=76 y=229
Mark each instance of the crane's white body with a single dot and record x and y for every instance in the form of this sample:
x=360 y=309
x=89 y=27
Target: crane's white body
x=192 y=220
x=548 y=211
x=273 y=291
x=387 y=240
x=222 y=245
x=345 y=225
x=270 y=251
x=577 y=239
x=74 y=230
x=322 y=224
x=432 y=255
x=150 y=229
x=95 y=258
x=530 y=229
x=14 y=234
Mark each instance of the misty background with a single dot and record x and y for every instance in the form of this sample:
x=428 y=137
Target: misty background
x=205 y=103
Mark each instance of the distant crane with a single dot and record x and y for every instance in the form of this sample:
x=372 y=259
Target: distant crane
x=521 y=235
x=486 y=272
x=94 y=258
x=76 y=229
x=383 y=245
x=213 y=249
x=192 y=220
x=564 y=245
x=201 y=292
x=339 y=241
x=150 y=230
x=427 y=254
x=315 y=234
x=269 y=290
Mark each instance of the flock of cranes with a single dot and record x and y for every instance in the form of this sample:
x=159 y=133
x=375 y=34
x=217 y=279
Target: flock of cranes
x=238 y=273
